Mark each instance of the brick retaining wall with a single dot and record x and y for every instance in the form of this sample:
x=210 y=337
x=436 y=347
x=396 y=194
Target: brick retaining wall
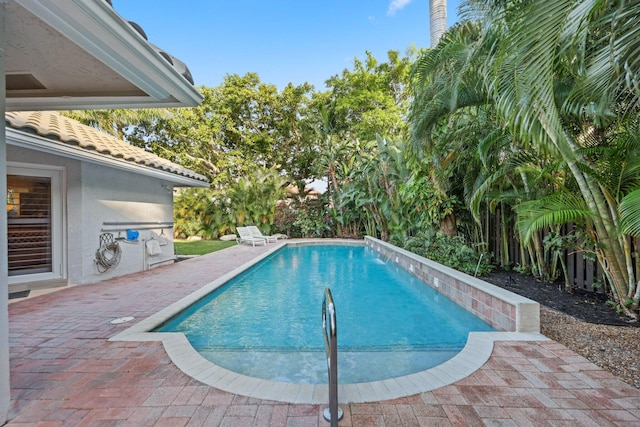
x=500 y=308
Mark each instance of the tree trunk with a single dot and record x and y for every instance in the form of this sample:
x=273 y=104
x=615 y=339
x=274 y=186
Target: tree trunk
x=448 y=225
x=539 y=260
x=437 y=20
x=611 y=254
x=505 y=261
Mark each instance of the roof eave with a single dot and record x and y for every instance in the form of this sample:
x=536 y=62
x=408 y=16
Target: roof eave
x=97 y=28
x=91 y=103
x=35 y=142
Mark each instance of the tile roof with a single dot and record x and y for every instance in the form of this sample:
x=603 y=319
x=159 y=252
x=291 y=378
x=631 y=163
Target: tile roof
x=63 y=130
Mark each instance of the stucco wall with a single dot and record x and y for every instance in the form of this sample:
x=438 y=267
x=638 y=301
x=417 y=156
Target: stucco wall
x=110 y=195
x=95 y=194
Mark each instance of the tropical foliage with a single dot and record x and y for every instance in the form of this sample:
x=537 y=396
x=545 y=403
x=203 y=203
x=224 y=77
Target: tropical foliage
x=523 y=114
x=251 y=200
x=560 y=84
x=241 y=124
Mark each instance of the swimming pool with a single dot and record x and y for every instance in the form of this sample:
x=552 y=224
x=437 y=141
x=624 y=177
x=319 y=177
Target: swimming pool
x=517 y=319
x=266 y=322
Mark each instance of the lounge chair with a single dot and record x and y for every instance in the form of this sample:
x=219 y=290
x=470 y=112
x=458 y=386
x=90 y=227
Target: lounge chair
x=255 y=232
x=246 y=237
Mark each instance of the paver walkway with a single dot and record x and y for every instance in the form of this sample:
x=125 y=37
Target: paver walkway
x=64 y=371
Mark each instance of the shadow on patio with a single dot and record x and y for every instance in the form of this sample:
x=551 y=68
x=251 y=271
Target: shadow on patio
x=64 y=371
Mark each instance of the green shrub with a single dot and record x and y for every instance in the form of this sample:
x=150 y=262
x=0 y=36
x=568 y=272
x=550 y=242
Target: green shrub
x=450 y=251
x=307 y=218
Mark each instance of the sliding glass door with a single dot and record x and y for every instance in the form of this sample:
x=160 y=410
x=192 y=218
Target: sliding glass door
x=34 y=224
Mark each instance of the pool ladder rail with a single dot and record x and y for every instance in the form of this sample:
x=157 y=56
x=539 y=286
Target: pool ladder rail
x=333 y=413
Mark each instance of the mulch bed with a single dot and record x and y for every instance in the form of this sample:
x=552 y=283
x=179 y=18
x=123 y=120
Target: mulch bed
x=580 y=304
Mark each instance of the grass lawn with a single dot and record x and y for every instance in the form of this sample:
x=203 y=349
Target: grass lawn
x=201 y=247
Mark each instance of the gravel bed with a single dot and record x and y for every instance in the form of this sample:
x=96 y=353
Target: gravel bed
x=614 y=348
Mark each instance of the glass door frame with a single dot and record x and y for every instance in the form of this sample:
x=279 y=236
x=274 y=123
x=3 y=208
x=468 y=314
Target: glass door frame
x=58 y=243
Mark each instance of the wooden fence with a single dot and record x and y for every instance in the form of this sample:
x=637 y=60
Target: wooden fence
x=582 y=272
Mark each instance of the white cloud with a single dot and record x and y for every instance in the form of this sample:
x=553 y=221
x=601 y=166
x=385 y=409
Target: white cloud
x=397 y=5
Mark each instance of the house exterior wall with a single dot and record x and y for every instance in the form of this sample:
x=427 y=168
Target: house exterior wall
x=109 y=41
x=95 y=194
x=110 y=195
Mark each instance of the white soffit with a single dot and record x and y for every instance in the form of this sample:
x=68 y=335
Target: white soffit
x=81 y=54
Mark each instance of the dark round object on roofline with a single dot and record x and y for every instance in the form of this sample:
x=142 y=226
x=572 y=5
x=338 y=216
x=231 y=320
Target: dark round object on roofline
x=179 y=66
x=166 y=56
x=139 y=29
x=182 y=68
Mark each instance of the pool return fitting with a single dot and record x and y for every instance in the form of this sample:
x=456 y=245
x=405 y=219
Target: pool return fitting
x=333 y=413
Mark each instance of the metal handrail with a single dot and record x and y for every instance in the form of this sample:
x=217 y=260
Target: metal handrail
x=158 y=223
x=111 y=230
x=126 y=225
x=333 y=413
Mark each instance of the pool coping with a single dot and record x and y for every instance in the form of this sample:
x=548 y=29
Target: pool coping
x=475 y=353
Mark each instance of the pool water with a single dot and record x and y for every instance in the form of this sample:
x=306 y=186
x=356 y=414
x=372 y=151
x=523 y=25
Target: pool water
x=267 y=322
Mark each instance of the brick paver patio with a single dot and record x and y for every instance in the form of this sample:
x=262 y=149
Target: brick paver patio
x=64 y=371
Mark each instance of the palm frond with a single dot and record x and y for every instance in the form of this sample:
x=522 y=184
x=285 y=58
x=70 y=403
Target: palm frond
x=611 y=66
x=441 y=80
x=556 y=209
x=629 y=210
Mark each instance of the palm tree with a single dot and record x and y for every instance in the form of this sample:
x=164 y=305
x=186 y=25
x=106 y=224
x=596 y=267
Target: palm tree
x=564 y=81
x=437 y=20
x=445 y=80
x=561 y=75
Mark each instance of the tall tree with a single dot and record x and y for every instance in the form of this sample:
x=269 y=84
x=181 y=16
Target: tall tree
x=240 y=124
x=362 y=105
x=437 y=20
x=371 y=99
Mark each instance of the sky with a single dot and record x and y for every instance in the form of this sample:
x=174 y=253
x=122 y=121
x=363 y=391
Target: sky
x=283 y=41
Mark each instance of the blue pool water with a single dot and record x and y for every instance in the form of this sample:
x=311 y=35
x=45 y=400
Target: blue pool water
x=267 y=322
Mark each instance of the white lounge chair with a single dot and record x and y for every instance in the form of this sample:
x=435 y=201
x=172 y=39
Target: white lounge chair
x=246 y=237
x=255 y=232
